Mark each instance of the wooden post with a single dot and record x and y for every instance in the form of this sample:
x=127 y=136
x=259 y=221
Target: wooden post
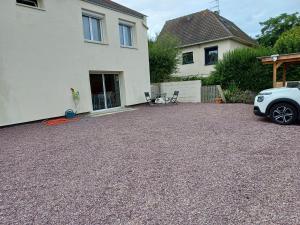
x=274 y=74
x=284 y=75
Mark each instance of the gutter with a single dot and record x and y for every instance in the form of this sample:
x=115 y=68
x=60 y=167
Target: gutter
x=142 y=16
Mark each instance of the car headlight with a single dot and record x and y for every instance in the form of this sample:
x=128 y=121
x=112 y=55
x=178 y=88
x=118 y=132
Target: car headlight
x=260 y=98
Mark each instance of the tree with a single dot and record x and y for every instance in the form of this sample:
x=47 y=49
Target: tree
x=274 y=27
x=163 y=57
x=288 y=42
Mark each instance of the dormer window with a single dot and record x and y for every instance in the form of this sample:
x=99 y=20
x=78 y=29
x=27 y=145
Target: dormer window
x=33 y=3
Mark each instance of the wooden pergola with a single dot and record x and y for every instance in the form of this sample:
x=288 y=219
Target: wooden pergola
x=277 y=61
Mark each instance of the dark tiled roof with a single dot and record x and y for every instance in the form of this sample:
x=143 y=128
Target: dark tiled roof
x=117 y=7
x=204 y=26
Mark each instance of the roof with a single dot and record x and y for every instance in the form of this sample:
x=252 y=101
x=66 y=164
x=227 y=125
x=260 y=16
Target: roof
x=284 y=58
x=204 y=26
x=117 y=7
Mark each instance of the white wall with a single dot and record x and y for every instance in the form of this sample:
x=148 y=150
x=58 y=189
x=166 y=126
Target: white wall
x=198 y=68
x=189 y=91
x=43 y=54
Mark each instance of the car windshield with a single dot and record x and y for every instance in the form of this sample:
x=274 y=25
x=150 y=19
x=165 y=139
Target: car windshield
x=293 y=84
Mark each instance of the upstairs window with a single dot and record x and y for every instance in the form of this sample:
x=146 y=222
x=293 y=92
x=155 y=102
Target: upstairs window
x=33 y=3
x=187 y=58
x=126 y=35
x=211 y=55
x=92 y=28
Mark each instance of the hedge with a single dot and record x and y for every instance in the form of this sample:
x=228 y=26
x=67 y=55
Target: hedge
x=242 y=68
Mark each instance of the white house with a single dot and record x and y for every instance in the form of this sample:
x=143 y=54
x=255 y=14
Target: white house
x=97 y=47
x=204 y=38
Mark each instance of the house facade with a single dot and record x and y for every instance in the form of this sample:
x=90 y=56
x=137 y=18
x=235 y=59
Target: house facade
x=204 y=38
x=47 y=47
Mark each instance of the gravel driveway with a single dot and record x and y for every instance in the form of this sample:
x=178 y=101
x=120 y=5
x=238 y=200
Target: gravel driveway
x=186 y=164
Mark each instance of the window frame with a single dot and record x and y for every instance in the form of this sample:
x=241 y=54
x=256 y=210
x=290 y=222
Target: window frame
x=188 y=62
x=132 y=36
x=98 y=17
x=35 y=2
x=206 y=53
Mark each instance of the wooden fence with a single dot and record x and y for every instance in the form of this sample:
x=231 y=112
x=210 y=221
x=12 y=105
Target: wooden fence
x=210 y=93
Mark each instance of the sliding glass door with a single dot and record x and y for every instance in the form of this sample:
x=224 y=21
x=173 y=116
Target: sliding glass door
x=97 y=90
x=105 y=90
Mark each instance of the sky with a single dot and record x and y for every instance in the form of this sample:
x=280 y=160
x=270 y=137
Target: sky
x=246 y=14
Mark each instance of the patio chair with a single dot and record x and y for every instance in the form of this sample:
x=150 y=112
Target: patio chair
x=148 y=98
x=174 y=98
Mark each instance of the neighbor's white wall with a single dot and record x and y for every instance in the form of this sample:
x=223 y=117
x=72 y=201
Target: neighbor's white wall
x=198 y=68
x=189 y=91
x=43 y=55
x=155 y=89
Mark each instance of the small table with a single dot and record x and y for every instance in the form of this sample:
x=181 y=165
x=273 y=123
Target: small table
x=163 y=96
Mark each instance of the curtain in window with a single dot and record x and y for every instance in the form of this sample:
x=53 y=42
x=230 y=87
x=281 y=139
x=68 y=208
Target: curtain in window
x=121 y=34
x=86 y=28
x=125 y=35
x=96 y=29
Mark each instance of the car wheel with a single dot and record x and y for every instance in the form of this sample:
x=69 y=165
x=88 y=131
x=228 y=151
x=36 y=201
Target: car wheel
x=283 y=114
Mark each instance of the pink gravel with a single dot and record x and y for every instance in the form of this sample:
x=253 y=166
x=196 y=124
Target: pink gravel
x=186 y=164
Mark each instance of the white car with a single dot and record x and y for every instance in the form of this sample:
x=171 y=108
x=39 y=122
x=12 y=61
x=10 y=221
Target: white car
x=281 y=105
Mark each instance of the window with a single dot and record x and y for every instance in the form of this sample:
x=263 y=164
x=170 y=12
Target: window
x=187 y=58
x=92 y=28
x=33 y=3
x=125 y=35
x=211 y=55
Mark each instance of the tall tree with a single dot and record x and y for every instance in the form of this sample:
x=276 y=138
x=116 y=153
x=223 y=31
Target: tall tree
x=288 y=42
x=163 y=57
x=274 y=27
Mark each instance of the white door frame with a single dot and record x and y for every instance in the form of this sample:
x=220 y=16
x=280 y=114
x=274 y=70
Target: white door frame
x=104 y=91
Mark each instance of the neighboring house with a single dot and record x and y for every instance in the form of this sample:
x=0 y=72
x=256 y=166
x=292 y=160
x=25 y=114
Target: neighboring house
x=205 y=36
x=97 y=47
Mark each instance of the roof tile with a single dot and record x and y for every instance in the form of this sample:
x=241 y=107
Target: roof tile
x=204 y=26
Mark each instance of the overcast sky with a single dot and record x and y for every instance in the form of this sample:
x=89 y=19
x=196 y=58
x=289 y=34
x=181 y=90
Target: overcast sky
x=244 y=13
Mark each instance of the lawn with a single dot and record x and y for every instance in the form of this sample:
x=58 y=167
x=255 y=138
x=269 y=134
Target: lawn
x=186 y=164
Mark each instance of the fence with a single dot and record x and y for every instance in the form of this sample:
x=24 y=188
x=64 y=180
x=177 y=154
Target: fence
x=210 y=93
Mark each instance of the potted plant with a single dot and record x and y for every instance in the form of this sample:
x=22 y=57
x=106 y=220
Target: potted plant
x=218 y=100
x=76 y=98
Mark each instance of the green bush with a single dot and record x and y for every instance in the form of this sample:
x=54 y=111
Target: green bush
x=243 y=68
x=288 y=42
x=163 y=58
x=235 y=95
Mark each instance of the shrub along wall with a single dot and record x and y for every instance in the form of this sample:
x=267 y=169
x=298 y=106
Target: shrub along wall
x=242 y=69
